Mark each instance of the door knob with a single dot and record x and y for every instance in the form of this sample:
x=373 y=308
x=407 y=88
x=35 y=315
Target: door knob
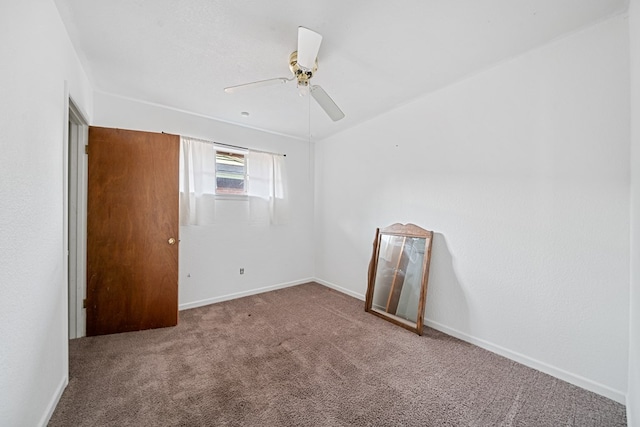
x=171 y=241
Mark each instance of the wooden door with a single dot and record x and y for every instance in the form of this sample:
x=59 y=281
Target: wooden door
x=132 y=231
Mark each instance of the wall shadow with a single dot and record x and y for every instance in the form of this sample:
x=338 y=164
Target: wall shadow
x=447 y=303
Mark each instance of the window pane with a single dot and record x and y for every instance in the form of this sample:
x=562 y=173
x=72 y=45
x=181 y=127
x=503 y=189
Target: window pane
x=230 y=173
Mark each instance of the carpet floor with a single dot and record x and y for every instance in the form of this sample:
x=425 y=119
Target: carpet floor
x=309 y=356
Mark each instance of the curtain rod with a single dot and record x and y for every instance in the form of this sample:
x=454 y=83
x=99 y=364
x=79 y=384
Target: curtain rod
x=233 y=146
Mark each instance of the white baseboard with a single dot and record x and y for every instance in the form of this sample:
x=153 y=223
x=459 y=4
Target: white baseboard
x=574 y=379
x=208 y=301
x=46 y=417
x=340 y=289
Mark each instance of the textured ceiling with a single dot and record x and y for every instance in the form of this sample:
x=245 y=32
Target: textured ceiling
x=375 y=55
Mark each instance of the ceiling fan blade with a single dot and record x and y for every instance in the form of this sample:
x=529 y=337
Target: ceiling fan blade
x=308 y=47
x=252 y=85
x=327 y=104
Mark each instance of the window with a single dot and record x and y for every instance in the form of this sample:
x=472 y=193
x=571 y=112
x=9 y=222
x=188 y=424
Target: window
x=219 y=184
x=231 y=173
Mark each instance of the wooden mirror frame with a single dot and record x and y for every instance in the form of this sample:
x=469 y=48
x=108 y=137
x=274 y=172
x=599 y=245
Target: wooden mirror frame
x=408 y=230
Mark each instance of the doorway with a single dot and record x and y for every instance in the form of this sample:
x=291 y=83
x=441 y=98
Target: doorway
x=76 y=209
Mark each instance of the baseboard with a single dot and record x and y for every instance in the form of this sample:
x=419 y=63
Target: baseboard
x=46 y=417
x=339 y=288
x=235 y=295
x=574 y=379
x=577 y=380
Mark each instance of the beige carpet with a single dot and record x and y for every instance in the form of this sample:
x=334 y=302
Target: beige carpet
x=309 y=356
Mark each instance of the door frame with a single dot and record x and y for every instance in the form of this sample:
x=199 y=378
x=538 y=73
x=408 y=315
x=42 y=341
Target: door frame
x=75 y=214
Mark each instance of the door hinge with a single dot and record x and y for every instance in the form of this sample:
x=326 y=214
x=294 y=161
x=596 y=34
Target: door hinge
x=86 y=149
x=84 y=303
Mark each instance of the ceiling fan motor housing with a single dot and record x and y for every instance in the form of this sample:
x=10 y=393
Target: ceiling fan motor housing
x=301 y=74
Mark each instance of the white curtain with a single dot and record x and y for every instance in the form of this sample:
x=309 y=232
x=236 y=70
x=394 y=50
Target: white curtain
x=197 y=182
x=267 y=188
x=266 y=199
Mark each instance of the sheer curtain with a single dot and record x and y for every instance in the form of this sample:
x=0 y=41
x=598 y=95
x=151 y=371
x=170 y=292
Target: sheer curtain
x=197 y=182
x=266 y=185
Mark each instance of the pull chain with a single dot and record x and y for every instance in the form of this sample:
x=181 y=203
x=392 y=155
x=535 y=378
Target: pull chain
x=309 y=128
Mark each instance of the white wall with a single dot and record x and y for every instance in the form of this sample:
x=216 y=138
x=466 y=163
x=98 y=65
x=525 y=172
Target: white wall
x=37 y=58
x=522 y=171
x=211 y=256
x=633 y=396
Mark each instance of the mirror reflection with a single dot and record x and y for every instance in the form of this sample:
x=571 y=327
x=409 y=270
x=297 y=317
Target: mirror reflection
x=399 y=276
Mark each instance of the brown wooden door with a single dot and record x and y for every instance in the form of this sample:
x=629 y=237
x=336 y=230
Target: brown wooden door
x=132 y=215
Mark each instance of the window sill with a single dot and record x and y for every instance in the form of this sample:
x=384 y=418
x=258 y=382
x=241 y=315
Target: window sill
x=236 y=197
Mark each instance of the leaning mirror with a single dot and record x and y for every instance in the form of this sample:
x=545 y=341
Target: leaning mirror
x=398 y=275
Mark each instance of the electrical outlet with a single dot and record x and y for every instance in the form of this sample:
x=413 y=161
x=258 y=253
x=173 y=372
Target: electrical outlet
x=242 y=271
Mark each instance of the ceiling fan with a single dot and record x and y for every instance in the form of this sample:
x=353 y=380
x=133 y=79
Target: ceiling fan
x=303 y=64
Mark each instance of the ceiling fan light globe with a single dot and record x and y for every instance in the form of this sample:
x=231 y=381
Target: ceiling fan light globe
x=303 y=89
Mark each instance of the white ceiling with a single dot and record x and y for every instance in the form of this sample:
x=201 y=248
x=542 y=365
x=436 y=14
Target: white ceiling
x=375 y=55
